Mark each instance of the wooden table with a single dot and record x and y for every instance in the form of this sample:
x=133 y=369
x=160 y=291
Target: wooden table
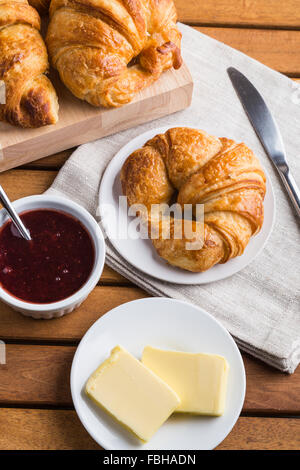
x=36 y=409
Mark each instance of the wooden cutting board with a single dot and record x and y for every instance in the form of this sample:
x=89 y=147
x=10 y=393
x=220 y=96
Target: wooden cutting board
x=80 y=123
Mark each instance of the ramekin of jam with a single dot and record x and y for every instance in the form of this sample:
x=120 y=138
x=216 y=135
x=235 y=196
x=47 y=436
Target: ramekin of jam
x=53 y=273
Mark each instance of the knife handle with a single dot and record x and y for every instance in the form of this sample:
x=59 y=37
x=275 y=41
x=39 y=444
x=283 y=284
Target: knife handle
x=292 y=189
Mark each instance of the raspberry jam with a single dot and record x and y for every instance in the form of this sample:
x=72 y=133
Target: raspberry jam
x=53 y=265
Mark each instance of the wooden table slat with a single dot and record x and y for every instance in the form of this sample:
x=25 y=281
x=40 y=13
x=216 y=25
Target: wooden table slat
x=276 y=49
x=71 y=327
x=62 y=430
x=22 y=183
x=54 y=161
x=109 y=276
x=39 y=375
x=270 y=13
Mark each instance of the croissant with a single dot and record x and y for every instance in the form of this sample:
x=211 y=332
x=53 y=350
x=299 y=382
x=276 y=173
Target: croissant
x=108 y=50
x=221 y=174
x=30 y=100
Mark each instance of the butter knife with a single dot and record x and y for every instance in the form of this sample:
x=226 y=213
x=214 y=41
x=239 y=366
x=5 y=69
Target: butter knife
x=267 y=131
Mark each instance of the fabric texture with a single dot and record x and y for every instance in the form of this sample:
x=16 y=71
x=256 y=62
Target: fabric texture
x=260 y=304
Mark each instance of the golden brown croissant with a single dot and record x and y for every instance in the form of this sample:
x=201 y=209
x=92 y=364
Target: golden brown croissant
x=224 y=176
x=31 y=100
x=91 y=43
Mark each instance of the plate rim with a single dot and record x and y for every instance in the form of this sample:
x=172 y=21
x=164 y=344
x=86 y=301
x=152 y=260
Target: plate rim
x=182 y=281
x=84 y=339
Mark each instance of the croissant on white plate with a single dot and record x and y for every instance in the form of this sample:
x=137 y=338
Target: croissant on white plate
x=108 y=50
x=221 y=174
x=30 y=99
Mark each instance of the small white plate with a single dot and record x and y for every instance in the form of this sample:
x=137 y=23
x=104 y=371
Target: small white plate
x=167 y=324
x=141 y=253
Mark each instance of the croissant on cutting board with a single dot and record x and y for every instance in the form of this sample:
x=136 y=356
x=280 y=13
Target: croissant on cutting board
x=108 y=50
x=221 y=174
x=30 y=99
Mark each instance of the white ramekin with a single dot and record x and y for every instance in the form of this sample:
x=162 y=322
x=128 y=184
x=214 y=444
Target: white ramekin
x=60 y=308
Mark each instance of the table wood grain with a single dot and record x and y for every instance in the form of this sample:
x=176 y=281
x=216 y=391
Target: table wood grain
x=36 y=410
x=62 y=430
x=36 y=375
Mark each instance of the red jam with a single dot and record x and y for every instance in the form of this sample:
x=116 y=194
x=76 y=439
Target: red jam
x=53 y=265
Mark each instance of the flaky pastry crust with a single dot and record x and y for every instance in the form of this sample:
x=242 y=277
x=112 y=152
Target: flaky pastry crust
x=30 y=99
x=221 y=174
x=108 y=50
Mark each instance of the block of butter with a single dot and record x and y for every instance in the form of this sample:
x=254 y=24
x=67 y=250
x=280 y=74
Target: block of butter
x=200 y=380
x=131 y=393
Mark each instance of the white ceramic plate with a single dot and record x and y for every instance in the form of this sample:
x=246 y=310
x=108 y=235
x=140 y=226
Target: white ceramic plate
x=167 y=324
x=141 y=253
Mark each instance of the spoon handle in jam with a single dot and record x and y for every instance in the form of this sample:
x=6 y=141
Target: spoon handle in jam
x=14 y=216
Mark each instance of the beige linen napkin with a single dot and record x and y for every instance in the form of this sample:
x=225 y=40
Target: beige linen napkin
x=260 y=304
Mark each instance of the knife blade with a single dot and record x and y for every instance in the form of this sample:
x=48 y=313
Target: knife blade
x=266 y=129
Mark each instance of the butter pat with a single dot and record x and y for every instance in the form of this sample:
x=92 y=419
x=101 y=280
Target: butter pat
x=132 y=394
x=200 y=380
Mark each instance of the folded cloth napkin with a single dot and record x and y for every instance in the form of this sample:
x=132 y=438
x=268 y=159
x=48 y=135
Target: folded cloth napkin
x=260 y=304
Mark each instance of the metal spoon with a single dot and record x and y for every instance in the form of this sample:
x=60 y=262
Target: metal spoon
x=14 y=216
